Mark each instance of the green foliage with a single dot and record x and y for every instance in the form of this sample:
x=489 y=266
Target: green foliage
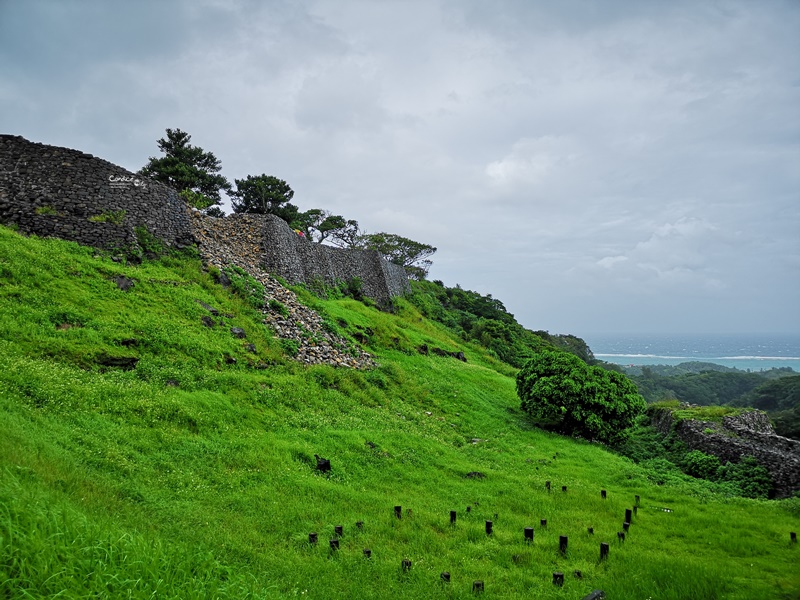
x=412 y=256
x=702 y=465
x=776 y=395
x=149 y=243
x=190 y=170
x=197 y=200
x=265 y=195
x=651 y=448
x=704 y=388
x=46 y=210
x=787 y=422
x=278 y=307
x=485 y=320
x=704 y=413
x=290 y=347
x=322 y=225
x=565 y=394
x=751 y=479
x=246 y=286
x=116 y=217
x=353 y=288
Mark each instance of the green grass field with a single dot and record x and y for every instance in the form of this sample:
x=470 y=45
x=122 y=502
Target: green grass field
x=193 y=476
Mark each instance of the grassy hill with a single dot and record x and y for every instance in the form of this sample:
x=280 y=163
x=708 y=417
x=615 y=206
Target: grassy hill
x=144 y=454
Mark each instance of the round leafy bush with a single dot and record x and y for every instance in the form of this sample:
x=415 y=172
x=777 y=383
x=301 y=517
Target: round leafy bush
x=563 y=393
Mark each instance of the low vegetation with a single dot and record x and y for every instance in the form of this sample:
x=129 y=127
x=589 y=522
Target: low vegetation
x=145 y=452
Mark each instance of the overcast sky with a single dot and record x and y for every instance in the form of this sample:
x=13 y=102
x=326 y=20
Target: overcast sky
x=598 y=166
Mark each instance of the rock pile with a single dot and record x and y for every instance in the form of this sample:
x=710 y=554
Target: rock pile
x=236 y=240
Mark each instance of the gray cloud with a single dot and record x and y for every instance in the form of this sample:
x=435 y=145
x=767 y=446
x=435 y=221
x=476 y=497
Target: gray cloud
x=630 y=168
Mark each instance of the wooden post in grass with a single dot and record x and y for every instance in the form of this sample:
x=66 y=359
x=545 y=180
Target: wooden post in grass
x=469 y=509
x=563 y=488
x=621 y=536
x=338 y=529
x=591 y=530
x=626 y=526
x=477 y=586
x=547 y=485
x=558 y=579
x=562 y=544
x=603 y=551
x=793 y=536
x=453 y=515
x=578 y=574
x=406 y=564
x=595 y=595
x=398 y=512
x=635 y=510
x=543 y=523
x=628 y=515
x=488 y=528
x=445 y=577
x=360 y=524
x=334 y=544
x=367 y=553
x=603 y=494
x=312 y=538
x=529 y=534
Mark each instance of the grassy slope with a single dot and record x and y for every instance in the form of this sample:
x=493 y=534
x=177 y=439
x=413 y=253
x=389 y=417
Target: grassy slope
x=117 y=484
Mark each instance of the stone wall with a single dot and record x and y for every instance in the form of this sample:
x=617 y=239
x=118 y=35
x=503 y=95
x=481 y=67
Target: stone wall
x=747 y=434
x=58 y=192
x=299 y=260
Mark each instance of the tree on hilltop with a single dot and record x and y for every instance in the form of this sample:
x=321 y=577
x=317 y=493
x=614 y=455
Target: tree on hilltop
x=265 y=195
x=322 y=225
x=190 y=170
x=411 y=255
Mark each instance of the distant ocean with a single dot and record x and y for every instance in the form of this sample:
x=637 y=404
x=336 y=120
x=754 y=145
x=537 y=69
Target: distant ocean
x=752 y=352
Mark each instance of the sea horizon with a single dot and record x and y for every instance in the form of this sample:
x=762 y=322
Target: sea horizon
x=743 y=351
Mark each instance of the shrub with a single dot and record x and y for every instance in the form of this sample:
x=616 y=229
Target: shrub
x=563 y=393
x=702 y=465
x=751 y=478
x=352 y=288
x=149 y=243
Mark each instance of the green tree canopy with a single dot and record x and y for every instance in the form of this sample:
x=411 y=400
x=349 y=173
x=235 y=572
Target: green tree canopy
x=265 y=195
x=192 y=171
x=411 y=255
x=563 y=393
x=322 y=225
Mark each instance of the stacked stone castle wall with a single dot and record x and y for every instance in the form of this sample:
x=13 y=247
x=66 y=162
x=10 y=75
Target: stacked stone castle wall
x=59 y=192
x=64 y=193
